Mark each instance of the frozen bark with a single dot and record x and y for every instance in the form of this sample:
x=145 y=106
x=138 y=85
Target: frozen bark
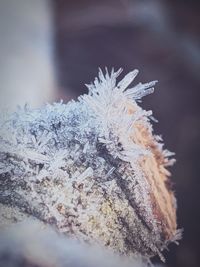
x=92 y=168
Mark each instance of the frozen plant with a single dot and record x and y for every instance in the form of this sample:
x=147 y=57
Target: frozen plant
x=92 y=168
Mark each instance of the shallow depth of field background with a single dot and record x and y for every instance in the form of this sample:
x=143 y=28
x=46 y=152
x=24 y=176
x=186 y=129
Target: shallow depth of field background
x=50 y=48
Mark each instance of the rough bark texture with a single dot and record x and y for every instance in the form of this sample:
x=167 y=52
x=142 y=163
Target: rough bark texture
x=92 y=168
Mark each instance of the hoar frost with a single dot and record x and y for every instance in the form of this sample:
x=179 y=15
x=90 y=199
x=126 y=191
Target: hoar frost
x=92 y=168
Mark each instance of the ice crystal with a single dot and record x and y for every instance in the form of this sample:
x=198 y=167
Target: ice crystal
x=91 y=167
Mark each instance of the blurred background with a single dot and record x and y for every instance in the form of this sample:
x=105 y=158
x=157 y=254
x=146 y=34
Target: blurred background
x=50 y=48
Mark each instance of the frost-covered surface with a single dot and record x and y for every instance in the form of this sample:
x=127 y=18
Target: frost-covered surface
x=88 y=168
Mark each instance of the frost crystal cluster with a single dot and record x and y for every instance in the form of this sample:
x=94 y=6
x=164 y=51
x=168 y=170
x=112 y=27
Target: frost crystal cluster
x=92 y=168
